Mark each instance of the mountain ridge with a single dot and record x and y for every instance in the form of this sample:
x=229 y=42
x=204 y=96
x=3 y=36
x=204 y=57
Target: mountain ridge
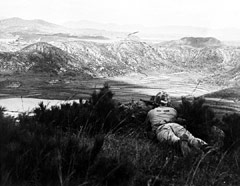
x=16 y=24
x=218 y=63
x=41 y=58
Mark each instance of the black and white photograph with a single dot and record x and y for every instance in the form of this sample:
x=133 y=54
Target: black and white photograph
x=119 y=93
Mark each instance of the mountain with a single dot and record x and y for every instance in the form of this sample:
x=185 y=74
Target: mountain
x=219 y=64
x=117 y=58
x=152 y=33
x=160 y=33
x=41 y=58
x=216 y=63
x=16 y=24
x=199 y=42
x=97 y=59
x=17 y=29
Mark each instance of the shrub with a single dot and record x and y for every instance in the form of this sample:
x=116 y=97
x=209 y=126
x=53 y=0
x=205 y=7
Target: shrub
x=37 y=157
x=132 y=116
x=231 y=127
x=7 y=133
x=99 y=114
x=47 y=149
x=36 y=154
x=199 y=117
x=104 y=110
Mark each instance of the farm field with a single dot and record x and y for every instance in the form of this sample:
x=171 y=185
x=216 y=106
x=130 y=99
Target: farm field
x=126 y=88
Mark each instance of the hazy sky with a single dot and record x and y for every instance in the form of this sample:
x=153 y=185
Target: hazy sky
x=203 y=13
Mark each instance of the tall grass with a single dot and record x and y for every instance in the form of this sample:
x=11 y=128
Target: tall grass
x=82 y=144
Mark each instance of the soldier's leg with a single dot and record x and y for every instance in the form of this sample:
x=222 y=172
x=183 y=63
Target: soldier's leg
x=180 y=131
x=166 y=134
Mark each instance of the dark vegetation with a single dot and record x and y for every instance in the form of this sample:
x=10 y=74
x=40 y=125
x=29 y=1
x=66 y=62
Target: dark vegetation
x=103 y=142
x=199 y=117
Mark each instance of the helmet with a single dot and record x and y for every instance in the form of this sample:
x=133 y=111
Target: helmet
x=162 y=98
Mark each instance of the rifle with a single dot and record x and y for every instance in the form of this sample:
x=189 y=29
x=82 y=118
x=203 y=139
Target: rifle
x=149 y=102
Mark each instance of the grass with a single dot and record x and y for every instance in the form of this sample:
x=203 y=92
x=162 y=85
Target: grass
x=121 y=160
x=77 y=145
x=159 y=163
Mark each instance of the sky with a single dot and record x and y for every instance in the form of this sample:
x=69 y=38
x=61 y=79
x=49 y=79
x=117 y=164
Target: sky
x=152 y=13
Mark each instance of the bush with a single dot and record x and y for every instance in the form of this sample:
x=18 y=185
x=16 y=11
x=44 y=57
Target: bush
x=133 y=116
x=65 y=117
x=199 y=117
x=99 y=114
x=37 y=154
x=231 y=127
x=7 y=133
x=104 y=110
x=48 y=149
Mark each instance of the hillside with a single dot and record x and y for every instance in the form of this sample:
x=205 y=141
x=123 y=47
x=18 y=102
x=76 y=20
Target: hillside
x=104 y=59
x=133 y=68
x=116 y=58
x=40 y=58
x=217 y=64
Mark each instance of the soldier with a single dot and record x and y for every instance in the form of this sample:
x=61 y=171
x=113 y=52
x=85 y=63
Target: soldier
x=164 y=123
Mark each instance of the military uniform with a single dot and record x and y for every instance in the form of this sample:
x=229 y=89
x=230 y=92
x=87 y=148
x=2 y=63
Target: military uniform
x=162 y=121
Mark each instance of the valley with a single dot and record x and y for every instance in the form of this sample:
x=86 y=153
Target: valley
x=43 y=60
x=125 y=88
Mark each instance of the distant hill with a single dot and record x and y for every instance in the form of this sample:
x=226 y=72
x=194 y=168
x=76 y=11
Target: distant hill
x=161 y=33
x=26 y=29
x=228 y=93
x=151 y=33
x=16 y=24
x=198 y=42
x=111 y=30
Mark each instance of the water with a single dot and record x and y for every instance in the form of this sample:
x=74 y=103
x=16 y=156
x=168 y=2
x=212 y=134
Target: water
x=15 y=106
